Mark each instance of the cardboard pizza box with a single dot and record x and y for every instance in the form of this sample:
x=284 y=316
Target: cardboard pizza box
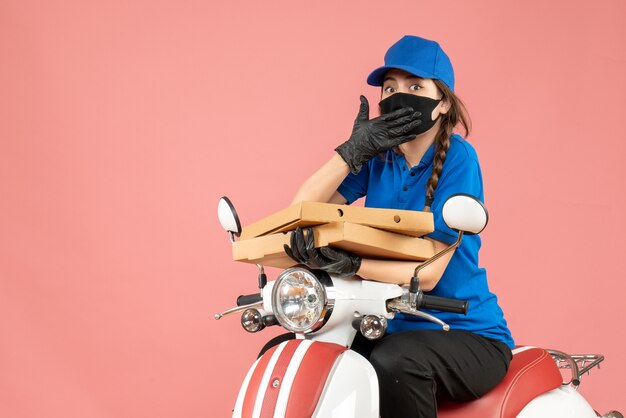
x=364 y=240
x=408 y=222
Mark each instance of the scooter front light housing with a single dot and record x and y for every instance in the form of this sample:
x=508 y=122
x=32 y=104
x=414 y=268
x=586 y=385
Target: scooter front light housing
x=299 y=300
x=251 y=320
x=373 y=327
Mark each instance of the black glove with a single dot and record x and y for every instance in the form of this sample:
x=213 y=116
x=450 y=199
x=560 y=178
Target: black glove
x=373 y=136
x=303 y=251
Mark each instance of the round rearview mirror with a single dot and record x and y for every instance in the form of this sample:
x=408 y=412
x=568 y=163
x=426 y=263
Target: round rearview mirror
x=464 y=212
x=228 y=216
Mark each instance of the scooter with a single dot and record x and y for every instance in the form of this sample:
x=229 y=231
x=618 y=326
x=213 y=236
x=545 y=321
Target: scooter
x=317 y=375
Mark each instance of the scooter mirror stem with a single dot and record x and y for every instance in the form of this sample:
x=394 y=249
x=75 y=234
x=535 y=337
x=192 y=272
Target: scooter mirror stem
x=262 y=276
x=414 y=286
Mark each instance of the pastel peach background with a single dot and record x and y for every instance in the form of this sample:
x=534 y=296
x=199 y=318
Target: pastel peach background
x=123 y=122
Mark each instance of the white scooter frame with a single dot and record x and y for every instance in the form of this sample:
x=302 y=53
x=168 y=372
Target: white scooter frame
x=317 y=375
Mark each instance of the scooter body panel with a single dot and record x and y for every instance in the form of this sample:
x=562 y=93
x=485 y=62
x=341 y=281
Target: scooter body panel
x=563 y=402
x=351 y=295
x=351 y=389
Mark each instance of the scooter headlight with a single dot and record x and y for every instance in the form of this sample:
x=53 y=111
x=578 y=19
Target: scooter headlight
x=299 y=300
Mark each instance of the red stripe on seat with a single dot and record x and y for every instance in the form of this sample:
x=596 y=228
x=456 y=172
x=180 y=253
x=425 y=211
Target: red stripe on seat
x=311 y=378
x=271 y=392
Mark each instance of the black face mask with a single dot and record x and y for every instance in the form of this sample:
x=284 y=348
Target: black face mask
x=422 y=104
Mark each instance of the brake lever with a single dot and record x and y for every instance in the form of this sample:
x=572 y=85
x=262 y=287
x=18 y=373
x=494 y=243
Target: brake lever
x=402 y=307
x=237 y=309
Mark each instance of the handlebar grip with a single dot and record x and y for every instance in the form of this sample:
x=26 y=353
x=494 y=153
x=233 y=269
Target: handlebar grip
x=442 y=304
x=248 y=299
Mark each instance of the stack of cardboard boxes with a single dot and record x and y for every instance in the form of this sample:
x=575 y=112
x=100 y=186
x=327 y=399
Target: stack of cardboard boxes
x=369 y=232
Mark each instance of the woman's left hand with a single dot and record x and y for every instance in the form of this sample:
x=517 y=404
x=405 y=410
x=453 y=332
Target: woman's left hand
x=331 y=260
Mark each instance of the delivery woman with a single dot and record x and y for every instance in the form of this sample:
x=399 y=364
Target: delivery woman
x=409 y=158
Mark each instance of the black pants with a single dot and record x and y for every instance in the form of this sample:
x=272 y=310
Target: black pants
x=417 y=369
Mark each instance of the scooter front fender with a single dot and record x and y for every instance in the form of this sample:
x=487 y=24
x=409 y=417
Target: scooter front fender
x=303 y=378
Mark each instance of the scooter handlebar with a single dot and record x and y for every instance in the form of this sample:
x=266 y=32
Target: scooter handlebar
x=442 y=304
x=249 y=299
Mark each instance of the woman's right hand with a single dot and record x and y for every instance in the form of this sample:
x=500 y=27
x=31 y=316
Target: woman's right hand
x=332 y=260
x=373 y=136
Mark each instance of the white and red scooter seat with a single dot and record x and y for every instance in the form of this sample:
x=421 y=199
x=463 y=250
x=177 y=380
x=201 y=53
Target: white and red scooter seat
x=531 y=373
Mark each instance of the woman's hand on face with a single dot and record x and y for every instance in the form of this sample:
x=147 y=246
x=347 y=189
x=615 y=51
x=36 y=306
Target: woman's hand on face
x=373 y=136
x=302 y=250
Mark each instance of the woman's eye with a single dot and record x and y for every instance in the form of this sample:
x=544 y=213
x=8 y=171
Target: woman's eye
x=415 y=87
x=389 y=89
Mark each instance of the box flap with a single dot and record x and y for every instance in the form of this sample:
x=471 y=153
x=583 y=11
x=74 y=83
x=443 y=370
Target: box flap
x=409 y=222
